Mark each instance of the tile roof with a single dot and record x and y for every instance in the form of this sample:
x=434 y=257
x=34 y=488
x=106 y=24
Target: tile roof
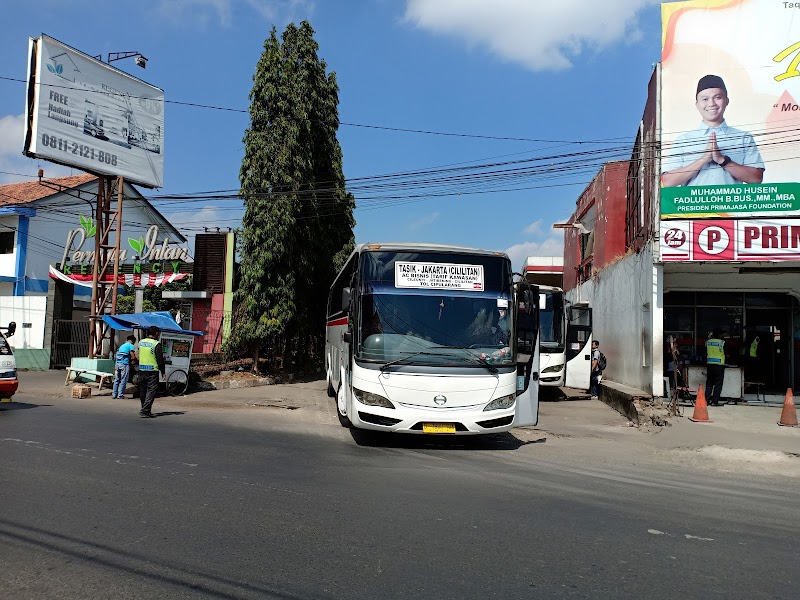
x=29 y=191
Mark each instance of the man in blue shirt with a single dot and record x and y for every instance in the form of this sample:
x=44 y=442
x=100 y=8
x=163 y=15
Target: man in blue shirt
x=122 y=367
x=714 y=153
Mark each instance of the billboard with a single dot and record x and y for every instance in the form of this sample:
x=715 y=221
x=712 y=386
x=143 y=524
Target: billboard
x=729 y=120
x=730 y=240
x=86 y=114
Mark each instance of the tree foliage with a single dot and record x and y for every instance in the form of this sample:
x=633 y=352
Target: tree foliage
x=298 y=223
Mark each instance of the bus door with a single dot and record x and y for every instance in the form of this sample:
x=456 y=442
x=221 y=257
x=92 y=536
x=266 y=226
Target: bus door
x=579 y=347
x=527 y=318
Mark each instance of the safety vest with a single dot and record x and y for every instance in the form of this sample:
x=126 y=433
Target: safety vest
x=752 y=349
x=147 y=355
x=715 y=355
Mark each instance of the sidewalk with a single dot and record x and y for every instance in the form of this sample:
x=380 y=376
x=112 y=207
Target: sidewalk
x=562 y=414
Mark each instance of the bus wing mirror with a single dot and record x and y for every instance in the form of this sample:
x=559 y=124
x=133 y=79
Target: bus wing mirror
x=12 y=327
x=346 y=299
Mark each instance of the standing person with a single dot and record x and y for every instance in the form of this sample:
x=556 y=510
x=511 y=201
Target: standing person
x=125 y=356
x=714 y=153
x=151 y=363
x=595 y=379
x=715 y=367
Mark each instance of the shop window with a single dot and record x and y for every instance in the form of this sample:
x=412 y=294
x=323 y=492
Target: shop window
x=6 y=242
x=720 y=298
x=767 y=300
x=679 y=299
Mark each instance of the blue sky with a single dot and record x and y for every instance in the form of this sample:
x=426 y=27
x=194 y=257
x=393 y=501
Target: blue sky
x=560 y=72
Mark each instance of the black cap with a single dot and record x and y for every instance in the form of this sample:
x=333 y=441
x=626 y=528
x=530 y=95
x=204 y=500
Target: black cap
x=710 y=81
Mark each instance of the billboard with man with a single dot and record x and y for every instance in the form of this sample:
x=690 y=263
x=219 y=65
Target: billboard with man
x=86 y=114
x=730 y=124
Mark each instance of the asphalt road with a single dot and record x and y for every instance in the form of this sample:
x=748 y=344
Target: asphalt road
x=270 y=503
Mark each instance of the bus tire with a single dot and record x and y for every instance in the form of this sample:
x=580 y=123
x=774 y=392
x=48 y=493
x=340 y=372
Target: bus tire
x=343 y=420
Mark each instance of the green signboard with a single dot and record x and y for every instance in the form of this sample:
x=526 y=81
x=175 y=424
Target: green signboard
x=768 y=199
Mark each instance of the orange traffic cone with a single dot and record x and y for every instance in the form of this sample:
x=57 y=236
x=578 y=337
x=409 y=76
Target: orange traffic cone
x=700 y=408
x=788 y=414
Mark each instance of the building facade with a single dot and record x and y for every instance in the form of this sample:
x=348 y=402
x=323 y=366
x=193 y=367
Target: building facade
x=667 y=260
x=46 y=253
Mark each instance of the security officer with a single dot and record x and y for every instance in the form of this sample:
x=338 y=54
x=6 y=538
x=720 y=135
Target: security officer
x=151 y=362
x=715 y=367
x=749 y=351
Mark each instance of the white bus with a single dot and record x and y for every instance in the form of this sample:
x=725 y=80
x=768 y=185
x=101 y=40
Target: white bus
x=565 y=340
x=422 y=338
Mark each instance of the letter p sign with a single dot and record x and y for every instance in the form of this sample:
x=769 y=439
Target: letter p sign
x=713 y=241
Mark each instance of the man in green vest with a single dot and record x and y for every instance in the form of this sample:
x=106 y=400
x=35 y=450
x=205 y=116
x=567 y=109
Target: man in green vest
x=749 y=352
x=151 y=363
x=715 y=367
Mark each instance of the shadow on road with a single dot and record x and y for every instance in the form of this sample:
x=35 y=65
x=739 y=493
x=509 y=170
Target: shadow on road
x=169 y=413
x=19 y=405
x=498 y=441
x=551 y=394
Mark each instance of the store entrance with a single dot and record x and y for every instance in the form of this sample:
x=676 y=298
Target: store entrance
x=770 y=319
x=766 y=351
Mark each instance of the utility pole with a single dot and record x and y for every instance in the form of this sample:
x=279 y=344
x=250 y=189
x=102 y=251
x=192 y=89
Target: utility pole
x=105 y=271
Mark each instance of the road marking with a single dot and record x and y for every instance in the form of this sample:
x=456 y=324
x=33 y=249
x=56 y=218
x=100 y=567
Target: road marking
x=694 y=537
x=655 y=532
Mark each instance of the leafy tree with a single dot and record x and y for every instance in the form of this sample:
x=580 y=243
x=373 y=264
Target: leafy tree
x=298 y=223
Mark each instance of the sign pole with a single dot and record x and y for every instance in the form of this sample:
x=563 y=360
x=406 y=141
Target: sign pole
x=108 y=223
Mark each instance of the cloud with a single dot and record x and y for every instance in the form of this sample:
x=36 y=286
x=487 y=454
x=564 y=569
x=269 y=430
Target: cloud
x=552 y=246
x=423 y=221
x=537 y=34
x=202 y=13
x=15 y=167
x=534 y=228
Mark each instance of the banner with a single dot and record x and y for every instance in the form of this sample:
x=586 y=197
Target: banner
x=137 y=279
x=730 y=240
x=86 y=114
x=729 y=120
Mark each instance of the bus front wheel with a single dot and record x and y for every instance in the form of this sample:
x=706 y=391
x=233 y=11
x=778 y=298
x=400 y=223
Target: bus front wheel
x=343 y=420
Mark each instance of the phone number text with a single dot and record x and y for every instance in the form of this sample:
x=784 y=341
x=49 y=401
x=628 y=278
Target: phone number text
x=57 y=143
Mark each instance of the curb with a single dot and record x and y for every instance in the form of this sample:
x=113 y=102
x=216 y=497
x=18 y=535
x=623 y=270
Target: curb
x=236 y=384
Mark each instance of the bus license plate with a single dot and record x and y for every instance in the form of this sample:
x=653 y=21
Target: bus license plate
x=438 y=427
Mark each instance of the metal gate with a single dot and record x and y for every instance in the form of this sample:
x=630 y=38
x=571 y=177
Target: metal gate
x=70 y=339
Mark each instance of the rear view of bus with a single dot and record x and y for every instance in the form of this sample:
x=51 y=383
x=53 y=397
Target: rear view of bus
x=422 y=339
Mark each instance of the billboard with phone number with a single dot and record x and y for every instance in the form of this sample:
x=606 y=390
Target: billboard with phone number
x=86 y=114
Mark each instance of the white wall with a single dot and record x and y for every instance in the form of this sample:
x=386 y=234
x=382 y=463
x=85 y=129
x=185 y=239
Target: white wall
x=623 y=301
x=25 y=309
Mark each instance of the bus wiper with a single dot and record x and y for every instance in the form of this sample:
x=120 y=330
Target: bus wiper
x=397 y=361
x=471 y=358
x=475 y=360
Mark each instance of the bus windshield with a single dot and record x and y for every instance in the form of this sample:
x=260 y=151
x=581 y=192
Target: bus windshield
x=436 y=328
x=551 y=322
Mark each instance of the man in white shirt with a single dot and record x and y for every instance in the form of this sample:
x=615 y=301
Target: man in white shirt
x=714 y=153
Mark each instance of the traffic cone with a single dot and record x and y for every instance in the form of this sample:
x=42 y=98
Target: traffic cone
x=700 y=408
x=788 y=414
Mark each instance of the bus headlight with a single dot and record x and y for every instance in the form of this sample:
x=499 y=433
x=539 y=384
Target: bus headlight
x=9 y=374
x=553 y=369
x=502 y=402
x=371 y=399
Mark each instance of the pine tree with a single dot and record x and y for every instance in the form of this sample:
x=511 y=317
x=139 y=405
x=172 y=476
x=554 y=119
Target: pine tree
x=298 y=224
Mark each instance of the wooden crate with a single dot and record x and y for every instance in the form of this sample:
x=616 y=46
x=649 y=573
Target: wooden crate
x=81 y=391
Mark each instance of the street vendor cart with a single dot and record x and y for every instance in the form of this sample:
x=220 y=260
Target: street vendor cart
x=176 y=344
